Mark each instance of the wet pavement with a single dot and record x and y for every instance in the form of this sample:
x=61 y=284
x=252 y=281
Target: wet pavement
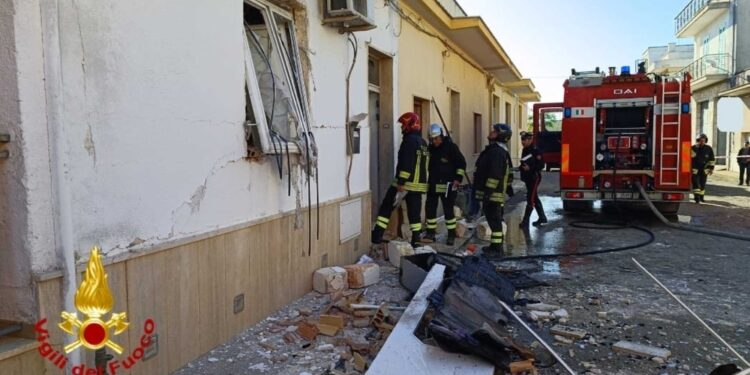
x=607 y=296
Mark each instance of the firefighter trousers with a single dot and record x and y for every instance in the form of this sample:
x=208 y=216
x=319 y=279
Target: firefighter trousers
x=493 y=212
x=532 y=199
x=699 y=184
x=745 y=178
x=413 y=208
x=430 y=208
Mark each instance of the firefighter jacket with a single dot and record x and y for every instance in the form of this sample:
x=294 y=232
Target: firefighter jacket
x=447 y=164
x=702 y=158
x=531 y=157
x=411 y=169
x=492 y=173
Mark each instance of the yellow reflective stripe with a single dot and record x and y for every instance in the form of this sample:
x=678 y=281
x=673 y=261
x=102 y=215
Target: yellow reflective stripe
x=431 y=226
x=450 y=221
x=411 y=186
x=460 y=172
x=695 y=171
x=404 y=174
x=416 y=227
x=432 y=221
x=492 y=183
x=450 y=226
x=417 y=169
x=711 y=163
x=441 y=188
x=480 y=194
x=383 y=219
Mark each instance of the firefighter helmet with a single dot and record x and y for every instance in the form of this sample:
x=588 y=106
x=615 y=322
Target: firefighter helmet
x=527 y=135
x=436 y=130
x=410 y=123
x=702 y=136
x=504 y=131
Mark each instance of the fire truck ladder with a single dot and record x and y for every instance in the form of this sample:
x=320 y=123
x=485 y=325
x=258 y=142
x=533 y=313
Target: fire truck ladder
x=669 y=161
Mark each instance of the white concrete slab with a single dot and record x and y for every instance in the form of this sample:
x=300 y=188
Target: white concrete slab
x=403 y=353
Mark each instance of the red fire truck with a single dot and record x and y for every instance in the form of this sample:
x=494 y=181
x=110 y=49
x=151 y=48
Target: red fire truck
x=619 y=129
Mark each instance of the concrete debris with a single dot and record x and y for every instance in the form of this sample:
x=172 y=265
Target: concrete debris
x=362 y=275
x=398 y=249
x=308 y=331
x=640 y=349
x=540 y=315
x=359 y=362
x=542 y=307
x=213 y=359
x=330 y=279
x=560 y=314
x=602 y=314
x=570 y=332
x=425 y=250
x=563 y=340
x=461 y=228
x=483 y=231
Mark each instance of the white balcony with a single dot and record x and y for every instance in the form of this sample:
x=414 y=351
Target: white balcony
x=697 y=15
x=709 y=70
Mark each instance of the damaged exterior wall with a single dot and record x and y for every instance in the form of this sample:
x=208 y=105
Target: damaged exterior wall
x=152 y=114
x=26 y=229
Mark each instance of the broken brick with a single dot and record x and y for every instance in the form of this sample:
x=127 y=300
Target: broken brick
x=332 y=320
x=362 y=275
x=361 y=323
x=522 y=367
x=359 y=362
x=308 y=331
x=330 y=279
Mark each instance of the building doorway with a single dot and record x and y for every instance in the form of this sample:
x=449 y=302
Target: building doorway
x=380 y=121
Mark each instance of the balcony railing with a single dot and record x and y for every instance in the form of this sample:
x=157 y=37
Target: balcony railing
x=739 y=79
x=687 y=13
x=720 y=63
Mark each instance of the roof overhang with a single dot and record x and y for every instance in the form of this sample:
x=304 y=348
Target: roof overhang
x=472 y=36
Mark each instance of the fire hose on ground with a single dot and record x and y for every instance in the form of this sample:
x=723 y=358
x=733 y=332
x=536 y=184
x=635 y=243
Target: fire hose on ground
x=685 y=227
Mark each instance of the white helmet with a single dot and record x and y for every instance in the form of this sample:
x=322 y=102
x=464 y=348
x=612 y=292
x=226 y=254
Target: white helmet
x=435 y=131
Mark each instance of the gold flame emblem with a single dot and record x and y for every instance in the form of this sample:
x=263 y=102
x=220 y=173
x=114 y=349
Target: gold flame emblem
x=94 y=299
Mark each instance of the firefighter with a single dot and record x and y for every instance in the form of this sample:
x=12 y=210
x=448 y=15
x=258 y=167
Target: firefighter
x=492 y=179
x=703 y=162
x=410 y=181
x=531 y=175
x=447 y=168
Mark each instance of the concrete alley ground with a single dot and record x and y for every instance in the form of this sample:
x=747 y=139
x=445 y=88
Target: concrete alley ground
x=604 y=295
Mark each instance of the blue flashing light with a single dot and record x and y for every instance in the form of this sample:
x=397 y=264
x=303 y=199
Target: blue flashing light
x=567 y=112
x=625 y=70
x=685 y=107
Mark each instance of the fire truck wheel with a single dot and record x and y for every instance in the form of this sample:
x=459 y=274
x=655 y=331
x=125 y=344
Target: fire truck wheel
x=667 y=208
x=577 y=206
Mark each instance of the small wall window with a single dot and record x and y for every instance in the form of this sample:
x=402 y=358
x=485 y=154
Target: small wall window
x=273 y=81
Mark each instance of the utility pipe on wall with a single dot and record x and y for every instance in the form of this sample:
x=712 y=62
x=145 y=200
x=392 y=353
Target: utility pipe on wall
x=59 y=156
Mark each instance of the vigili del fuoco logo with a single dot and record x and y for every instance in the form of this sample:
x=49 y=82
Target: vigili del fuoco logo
x=94 y=300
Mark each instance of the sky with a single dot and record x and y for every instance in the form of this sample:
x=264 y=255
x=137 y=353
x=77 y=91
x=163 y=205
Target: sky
x=546 y=38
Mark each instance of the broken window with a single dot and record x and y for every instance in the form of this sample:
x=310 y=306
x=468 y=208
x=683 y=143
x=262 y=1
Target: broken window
x=274 y=85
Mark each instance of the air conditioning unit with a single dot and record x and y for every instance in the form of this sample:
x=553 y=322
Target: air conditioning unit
x=349 y=15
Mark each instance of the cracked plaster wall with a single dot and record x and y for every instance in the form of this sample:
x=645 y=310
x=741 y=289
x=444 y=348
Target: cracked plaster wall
x=154 y=110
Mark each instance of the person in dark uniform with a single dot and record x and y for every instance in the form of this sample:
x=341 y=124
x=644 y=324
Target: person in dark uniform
x=447 y=168
x=410 y=182
x=703 y=162
x=531 y=175
x=492 y=177
x=743 y=160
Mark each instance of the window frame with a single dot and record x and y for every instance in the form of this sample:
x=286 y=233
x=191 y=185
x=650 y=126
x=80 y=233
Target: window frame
x=297 y=85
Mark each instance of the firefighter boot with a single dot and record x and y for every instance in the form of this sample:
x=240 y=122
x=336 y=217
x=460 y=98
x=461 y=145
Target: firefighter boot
x=429 y=237
x=494 y=251
x=377 y=235
x=415 y=239
x=526 y=216
x=451 y=237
